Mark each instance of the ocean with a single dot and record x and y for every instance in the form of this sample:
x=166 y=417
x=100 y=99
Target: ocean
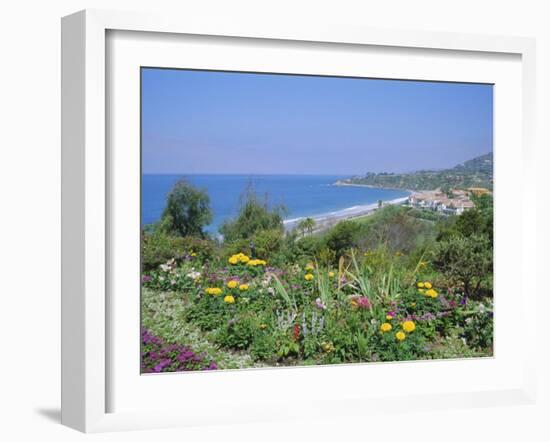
x=313 y=196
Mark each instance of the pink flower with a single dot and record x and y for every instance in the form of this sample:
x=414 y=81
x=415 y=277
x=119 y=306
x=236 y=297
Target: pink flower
x=361 y=302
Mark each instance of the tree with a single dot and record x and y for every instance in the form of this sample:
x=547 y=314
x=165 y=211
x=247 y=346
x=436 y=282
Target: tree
x=468 y=260
x=306 y=225
x=187 y=210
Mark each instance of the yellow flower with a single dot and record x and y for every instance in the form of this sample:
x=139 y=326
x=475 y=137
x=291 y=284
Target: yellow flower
x=213 y=291
x=193 y=253
x=408 y=326
x=431 y=293
x=229 y=299
x=263 y=326
x=243 y=287
x=309 y=266
x=233 y=260
x=308 y=277
x=400 y=335
x=389 y=317
x=385 y=327
x=421 y=291
x=232 y=284
x=331 y=274
x=428 y=285
x=257 y=262
x=244 y=259
x=420 y=285
x=413 y=304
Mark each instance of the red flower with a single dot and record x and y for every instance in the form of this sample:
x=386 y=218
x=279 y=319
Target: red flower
x=296 y=332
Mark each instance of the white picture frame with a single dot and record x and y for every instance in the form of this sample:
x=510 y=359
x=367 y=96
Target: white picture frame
x=86 y=206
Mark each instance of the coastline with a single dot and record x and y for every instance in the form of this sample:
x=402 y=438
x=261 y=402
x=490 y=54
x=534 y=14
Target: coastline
x=324 y=221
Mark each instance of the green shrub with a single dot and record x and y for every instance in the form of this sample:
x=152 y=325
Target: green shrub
x=465 y=260
x=254 y=216
x=238 y=332
x=158 y=248
x=208 y=313
x=342 y=237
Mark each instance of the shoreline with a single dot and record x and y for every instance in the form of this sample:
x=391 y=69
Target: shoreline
x=324 y=221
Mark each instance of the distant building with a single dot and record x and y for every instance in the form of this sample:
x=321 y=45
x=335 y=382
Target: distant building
x=454 y=203
x=479 y=191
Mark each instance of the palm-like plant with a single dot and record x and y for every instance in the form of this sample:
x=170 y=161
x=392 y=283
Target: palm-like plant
x=306 y=225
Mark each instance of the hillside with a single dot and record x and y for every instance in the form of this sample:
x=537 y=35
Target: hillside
x=477 y=172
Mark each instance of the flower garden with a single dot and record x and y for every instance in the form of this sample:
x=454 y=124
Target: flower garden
x=240 y=311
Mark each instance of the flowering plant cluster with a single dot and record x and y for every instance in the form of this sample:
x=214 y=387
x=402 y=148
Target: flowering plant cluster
x=311 y=313
x=158 y=356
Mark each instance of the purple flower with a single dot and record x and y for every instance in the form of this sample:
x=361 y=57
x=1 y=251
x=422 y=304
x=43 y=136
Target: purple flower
x=164 y=363
x=319 y=304
x=145 y=278
x=158 y=356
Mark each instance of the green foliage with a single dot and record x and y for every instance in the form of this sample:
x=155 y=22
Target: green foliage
x=254 y=216
x=466 y=260
x=306 y=225
x=394 y=228
x=159 y=247
x=342 y=237
x=187 y=210
x=208 y=313
x=238 y=332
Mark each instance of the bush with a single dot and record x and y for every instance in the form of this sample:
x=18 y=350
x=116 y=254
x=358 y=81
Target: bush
x=238 y=332
x=158 y=248
x=342 y=237
x=254 y=216
x=397 y=229
x=467 y=260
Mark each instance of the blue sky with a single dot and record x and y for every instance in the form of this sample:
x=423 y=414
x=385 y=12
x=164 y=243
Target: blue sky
x=218 y=122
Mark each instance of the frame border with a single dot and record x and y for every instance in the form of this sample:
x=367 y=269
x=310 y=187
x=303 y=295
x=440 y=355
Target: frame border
x=84 y=197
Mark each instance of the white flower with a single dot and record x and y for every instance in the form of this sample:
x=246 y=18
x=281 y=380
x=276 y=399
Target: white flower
x=165 y=267
x=271 y=290
x=193 y=275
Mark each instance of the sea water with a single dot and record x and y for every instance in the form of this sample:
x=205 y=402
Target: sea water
x=314 y=196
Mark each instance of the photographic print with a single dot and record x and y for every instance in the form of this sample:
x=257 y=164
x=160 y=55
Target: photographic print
x=300 y=220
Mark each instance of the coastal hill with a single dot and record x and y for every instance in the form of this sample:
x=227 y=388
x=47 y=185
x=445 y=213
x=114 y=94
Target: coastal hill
x=477 y=172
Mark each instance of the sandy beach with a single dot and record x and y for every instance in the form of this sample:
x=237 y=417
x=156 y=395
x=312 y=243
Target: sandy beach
x=327 y=220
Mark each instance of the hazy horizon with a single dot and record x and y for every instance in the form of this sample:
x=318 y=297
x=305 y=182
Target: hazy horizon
x=220 y=123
